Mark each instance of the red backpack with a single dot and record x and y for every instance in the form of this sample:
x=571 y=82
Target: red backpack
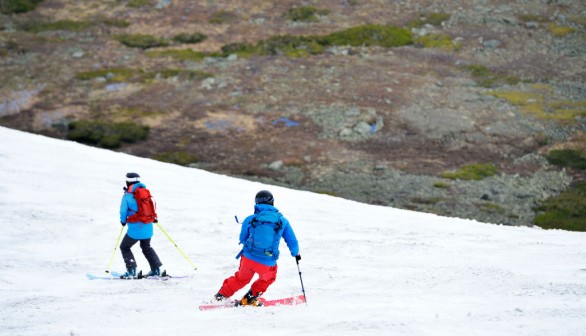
x=146 y=207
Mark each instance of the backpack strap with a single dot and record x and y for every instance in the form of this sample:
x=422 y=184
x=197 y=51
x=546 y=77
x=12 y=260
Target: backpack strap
x=134 y=217
x=131 y=188
x=240 y=254
x=278 y=224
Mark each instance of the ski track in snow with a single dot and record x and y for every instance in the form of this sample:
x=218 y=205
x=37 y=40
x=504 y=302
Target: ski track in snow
x=367 y=270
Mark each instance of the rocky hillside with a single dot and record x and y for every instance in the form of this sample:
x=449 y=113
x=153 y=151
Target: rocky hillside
x=469 y=108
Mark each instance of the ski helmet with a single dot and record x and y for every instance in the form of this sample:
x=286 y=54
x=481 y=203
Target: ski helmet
x=132 y=178
x=264 y=197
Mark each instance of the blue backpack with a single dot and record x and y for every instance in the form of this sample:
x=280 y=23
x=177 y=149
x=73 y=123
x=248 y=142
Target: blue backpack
x=265 y=233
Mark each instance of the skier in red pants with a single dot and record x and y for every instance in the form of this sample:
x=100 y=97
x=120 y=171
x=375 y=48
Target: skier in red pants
x=261 y=234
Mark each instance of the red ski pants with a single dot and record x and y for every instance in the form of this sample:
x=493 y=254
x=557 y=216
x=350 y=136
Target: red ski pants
x=266 y=276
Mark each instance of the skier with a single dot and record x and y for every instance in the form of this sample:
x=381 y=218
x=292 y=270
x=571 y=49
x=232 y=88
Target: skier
x=137 y=231
x=260 y=234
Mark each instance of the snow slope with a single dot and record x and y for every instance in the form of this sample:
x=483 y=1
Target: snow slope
x=367 y=270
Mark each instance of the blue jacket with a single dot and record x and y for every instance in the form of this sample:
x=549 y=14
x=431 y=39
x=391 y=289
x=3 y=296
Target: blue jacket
x=287 y=234
x=128 y=207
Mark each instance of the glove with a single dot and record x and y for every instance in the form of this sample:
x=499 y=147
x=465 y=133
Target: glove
x=298 y=257
x=123 y=224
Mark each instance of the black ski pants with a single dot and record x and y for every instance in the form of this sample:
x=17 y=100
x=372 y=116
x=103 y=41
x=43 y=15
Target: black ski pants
x=149 y=253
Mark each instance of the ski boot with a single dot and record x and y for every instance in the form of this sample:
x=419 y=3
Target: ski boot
x=130 y=274
x=250 y=300
x=154 y=272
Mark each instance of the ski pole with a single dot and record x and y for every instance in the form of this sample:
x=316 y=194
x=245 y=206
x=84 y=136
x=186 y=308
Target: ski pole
x=178 y=249
x=114 y=252
x=300 y=278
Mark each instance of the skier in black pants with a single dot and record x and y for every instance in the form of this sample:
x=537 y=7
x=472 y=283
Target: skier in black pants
x=137 y=231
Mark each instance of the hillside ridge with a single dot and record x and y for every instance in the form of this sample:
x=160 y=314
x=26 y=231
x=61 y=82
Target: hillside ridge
x=451 y=108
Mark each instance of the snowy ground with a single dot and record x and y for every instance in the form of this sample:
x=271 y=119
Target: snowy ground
x=367 y=270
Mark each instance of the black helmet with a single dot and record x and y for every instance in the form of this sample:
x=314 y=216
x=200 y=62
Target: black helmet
x=264 y=197
x=132 y=178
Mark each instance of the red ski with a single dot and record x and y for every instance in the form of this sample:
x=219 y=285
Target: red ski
x=288 y=301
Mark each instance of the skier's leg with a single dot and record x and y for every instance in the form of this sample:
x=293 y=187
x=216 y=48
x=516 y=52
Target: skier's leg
x=267 y=276
x=150 y=254
x=239 y=279
x=127 y=255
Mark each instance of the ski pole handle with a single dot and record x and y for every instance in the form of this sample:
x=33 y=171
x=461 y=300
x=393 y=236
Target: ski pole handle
x=114 y=252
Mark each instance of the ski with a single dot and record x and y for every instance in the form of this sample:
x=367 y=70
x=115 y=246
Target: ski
x=163 y=276
x=117 y=275
x=220 y=305
x=107 y=277
x=288 y=301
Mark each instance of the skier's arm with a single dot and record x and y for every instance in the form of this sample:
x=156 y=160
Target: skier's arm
x=123 y=210
x=290 y=238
